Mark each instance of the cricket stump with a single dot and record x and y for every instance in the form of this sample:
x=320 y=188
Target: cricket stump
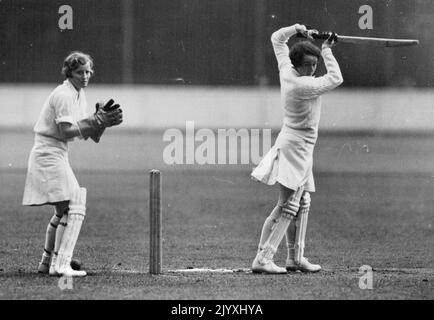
x=155 y=206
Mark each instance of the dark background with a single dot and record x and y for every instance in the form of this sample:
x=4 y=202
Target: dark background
x=208 y=42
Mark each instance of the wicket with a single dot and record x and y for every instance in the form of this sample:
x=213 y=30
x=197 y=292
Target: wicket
x=155 y=206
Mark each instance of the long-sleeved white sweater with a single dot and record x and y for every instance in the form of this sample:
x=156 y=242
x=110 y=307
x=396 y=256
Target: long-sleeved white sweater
x=301 y=95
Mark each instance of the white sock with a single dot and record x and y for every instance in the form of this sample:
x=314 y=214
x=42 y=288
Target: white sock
x=50 y=237
x=46 y=257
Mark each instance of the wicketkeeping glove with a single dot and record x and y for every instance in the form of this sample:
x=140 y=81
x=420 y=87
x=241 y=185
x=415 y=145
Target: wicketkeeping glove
x=109 y=106
x=95 y=125
x=97 y=136
x=108 y=119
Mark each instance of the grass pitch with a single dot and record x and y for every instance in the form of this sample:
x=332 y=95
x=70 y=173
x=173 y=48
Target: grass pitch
x=371 y=208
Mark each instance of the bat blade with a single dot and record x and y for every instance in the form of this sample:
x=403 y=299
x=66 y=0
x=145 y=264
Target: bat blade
x=369 y=41
x=379 y=42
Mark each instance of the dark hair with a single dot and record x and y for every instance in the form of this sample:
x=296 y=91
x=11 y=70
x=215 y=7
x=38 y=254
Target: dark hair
x=74 y=60
x=300 y=49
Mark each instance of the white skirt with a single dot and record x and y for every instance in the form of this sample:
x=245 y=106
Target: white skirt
x=289 y=162
x=49 y=176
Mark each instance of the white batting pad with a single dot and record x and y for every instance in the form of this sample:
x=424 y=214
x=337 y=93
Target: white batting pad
x=301 y=226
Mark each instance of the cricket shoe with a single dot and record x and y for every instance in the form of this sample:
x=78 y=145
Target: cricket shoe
x=59 y=268
x=267 y=266
x=75 y=266
x=44 y=267
x=69 y=272
x=304 y=265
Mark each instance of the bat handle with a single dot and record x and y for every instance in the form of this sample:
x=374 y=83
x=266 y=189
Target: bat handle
x=322 y=35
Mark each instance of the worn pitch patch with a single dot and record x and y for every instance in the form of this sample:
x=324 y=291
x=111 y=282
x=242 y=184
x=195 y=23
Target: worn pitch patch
x=208 y=270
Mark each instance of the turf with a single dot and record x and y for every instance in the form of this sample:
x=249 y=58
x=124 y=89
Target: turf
x=371 y=208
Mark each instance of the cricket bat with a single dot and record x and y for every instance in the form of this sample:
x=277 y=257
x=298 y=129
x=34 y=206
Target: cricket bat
x=369 y=41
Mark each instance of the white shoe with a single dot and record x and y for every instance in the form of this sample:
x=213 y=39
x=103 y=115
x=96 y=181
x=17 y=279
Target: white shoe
x=304 y=265
x=43 y=267
x=44 y=264
x=69 y=272
x=60 y=269
x=51 y=270
x=267 y=267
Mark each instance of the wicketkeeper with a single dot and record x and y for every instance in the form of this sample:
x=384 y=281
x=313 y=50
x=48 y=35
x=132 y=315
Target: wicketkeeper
x=50 y=179
x=289 y=161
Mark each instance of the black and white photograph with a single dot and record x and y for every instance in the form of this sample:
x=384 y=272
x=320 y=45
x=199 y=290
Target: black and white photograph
x=223 y=152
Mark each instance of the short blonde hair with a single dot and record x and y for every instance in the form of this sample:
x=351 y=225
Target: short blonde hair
x=74 y=60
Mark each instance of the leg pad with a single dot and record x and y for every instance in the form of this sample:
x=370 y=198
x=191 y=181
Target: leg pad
x=288 y=212
x=76 y=214
x=301 y=227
